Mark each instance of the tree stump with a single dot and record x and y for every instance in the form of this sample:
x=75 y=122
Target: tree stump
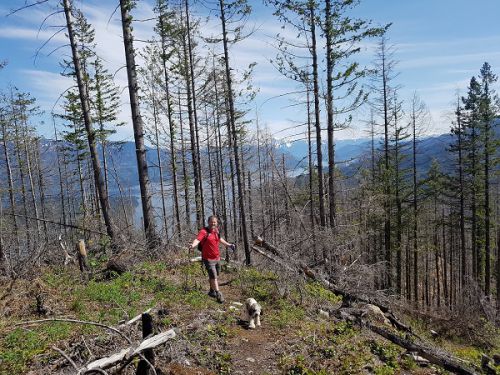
x=82 y=256
x=143 y=368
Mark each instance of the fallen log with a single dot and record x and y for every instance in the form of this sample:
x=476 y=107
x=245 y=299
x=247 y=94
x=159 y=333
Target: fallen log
x=444 y=360
x=267 y=246
x=273 y=258
x=137 y=317
x=126 y=355
x=347 y=297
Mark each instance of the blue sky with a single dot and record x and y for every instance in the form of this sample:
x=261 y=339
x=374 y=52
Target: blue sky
x=439 y=44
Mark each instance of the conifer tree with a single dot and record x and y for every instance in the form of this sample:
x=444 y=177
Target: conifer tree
x=489 y=110
x=342 y=37
x=473 y=171
x=105 y=100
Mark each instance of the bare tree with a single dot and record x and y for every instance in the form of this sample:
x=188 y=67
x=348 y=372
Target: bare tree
x=133 y=88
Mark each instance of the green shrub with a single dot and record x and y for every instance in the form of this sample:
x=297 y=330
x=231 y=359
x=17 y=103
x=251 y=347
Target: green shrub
x=388 y=353
x=297 y=366
x=321 y=294
x=287 y=314
x=223 y=362
x=257 y=284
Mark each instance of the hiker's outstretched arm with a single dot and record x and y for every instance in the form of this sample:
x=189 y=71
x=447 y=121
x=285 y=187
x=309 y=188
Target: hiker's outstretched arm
x=194 y=244
x=224 y=242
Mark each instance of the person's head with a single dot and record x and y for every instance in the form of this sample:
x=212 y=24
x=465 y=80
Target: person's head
x=213 y=222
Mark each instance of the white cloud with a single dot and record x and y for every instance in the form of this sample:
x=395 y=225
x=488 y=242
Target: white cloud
x=47 y=85
x=32 y=34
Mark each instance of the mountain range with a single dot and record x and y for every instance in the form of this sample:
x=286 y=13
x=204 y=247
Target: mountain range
x=350 y=155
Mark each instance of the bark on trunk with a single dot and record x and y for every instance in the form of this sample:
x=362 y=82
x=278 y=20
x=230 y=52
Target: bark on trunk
x=133 y=88
x=83 y=93
x=317 y=124
x=241 y=193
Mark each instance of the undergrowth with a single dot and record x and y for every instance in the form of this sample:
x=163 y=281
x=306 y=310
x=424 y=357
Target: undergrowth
x=313 y=345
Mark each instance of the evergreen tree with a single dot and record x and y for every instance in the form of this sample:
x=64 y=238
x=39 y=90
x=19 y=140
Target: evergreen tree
x=105 y=100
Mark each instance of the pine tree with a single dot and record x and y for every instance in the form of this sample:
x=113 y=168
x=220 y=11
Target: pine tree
x=105 y=101
x=342 y=37
x=473 y=171
x=488 y=111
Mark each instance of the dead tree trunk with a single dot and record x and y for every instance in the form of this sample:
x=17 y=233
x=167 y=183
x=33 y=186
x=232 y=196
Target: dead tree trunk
x=195 y=113
x=144 y=366
x=41 y=188
x=173 y=156
x=192 y=136
x=185 y=178
x=319 y=151
x=241 y=192
x=82 y=256
x=10 y=180
x=133 y=87
x=83 y=93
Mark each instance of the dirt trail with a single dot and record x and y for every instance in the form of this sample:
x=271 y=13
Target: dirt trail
x=253 y=351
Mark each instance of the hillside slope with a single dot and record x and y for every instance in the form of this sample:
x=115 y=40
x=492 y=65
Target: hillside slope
x=295 y=337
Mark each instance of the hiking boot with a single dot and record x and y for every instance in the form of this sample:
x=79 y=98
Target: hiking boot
x=212 y=293
x=220 y=297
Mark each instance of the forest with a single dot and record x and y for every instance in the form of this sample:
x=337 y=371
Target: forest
x=95 y=230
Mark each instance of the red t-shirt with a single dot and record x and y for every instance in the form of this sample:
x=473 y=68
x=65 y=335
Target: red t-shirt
x=210 y=244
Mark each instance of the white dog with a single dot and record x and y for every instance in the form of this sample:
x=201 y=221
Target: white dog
x=252 y=313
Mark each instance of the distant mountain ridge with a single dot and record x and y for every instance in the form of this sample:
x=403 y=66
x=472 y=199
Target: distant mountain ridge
x=353 y=154
x=350 y=156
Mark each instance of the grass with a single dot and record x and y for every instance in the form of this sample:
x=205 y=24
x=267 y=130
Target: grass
x=320 y=294
x=286 y=314
x=101 y=301
x=257 y=284
x=21 y=345
x=388 y=353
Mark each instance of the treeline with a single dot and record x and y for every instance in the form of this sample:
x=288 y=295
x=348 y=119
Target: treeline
x=429 y=237
x=439 y=226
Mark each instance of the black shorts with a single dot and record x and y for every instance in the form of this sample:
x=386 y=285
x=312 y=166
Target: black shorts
x=213 y=268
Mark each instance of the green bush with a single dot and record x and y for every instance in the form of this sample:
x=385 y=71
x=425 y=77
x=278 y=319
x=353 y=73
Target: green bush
x=388 y=353
x=257 y=284
x=321 y=294
x=287 y=314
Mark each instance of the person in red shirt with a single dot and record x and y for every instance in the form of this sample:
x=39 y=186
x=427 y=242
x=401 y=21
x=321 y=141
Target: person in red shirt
x=209 y=238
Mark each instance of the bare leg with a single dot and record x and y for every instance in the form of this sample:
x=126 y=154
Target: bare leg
x=214 y=285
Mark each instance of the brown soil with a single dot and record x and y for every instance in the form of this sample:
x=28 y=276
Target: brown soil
x=254 y=351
